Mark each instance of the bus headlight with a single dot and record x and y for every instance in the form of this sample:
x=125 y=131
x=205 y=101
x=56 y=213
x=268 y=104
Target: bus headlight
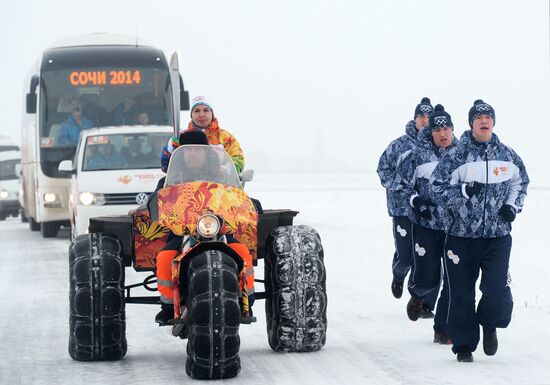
x=88 y=199
x=208 y=225
x=3 y=194
x=50 y=197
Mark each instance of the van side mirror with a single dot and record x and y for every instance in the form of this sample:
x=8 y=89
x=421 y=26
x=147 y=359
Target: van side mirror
x=18 y=169
x=66 y=167
x=31 y=96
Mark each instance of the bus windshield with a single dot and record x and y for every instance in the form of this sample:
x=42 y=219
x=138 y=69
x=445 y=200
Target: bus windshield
x=123 y=151
x=7 y=169
x=79 y=98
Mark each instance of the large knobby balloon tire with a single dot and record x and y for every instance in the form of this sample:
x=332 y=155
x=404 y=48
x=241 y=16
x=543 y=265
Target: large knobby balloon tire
x=97 y=320
x=295 y=283
x=214 y=310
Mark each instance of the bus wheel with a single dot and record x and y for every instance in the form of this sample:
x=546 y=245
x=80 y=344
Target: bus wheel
x=33 y=225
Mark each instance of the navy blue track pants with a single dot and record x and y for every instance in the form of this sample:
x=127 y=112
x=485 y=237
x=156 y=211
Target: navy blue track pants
x=402 y=258
x=464 y=258
x=425 y=278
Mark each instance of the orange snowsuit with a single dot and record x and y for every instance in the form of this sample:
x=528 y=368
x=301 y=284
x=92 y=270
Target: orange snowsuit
x=164 y=271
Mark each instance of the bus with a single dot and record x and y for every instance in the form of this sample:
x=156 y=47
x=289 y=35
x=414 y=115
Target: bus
x=81 y=82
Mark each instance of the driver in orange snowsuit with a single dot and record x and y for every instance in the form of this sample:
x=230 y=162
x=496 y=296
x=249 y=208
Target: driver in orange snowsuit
x=170 y=251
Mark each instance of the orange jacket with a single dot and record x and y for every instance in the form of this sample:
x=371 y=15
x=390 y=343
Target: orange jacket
x=219 y=136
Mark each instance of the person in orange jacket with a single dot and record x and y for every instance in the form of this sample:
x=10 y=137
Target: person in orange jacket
x=170 y=251
x=203 y=119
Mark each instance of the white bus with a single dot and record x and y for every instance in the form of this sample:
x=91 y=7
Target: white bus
x=82 y=82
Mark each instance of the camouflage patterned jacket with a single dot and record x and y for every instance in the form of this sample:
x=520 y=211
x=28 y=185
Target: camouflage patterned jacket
x=504 y=179
x=413 y=179
x=387 y=166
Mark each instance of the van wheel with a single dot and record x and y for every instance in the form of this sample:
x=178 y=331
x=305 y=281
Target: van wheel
x=49 y=229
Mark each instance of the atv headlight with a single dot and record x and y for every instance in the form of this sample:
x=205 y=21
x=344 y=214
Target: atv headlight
x=208 y=225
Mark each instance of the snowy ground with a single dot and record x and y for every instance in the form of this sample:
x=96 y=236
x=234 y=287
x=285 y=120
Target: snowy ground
x=370 y=339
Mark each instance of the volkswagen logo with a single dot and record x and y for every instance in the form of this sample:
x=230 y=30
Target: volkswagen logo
x=141 y=198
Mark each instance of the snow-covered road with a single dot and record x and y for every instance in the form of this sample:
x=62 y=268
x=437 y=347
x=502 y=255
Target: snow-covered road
x=369 y=341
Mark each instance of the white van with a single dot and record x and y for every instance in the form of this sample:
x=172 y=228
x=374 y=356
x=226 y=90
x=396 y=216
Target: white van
x=114 y=171
x=9 y=183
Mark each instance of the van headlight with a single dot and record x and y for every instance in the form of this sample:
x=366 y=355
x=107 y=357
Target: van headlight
x=50 y=197
x=88 y=199
x=208 y=225
x=3 y=194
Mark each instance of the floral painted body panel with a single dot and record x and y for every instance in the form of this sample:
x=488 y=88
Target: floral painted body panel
x=180 y=207
x=149 y=238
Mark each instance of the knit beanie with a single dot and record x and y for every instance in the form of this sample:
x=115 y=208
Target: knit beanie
x=193 y=137
x=480 y=108
x=423 y=108
x=440 y=118
x=198 y=100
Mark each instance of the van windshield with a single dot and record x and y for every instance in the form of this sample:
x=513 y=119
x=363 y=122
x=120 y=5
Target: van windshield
x=123 y=151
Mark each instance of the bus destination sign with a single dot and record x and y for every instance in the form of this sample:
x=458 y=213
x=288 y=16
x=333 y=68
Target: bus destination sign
x=104 y=78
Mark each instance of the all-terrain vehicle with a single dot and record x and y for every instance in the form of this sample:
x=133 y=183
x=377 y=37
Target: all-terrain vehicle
x=211 y=298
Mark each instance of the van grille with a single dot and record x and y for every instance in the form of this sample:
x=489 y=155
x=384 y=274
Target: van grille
x=121 y=199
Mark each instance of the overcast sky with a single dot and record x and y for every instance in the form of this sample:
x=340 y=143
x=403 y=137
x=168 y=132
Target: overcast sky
x=319 y=82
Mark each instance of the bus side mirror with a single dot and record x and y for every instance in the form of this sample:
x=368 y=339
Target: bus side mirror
x=184 y=97
x=31 y=103
x=66 y=167
x=184 y=101
x=31 y=96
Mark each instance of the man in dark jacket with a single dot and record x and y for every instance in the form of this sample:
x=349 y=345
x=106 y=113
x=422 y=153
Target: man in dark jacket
x=429 y=220
x=483 y=184
x=397 y=205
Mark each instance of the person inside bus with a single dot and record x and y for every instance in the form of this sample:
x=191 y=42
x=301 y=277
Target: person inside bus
x=66 y=102
x=125 y=112
x=71 y=127
x=106 y=157
x=143 y=118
